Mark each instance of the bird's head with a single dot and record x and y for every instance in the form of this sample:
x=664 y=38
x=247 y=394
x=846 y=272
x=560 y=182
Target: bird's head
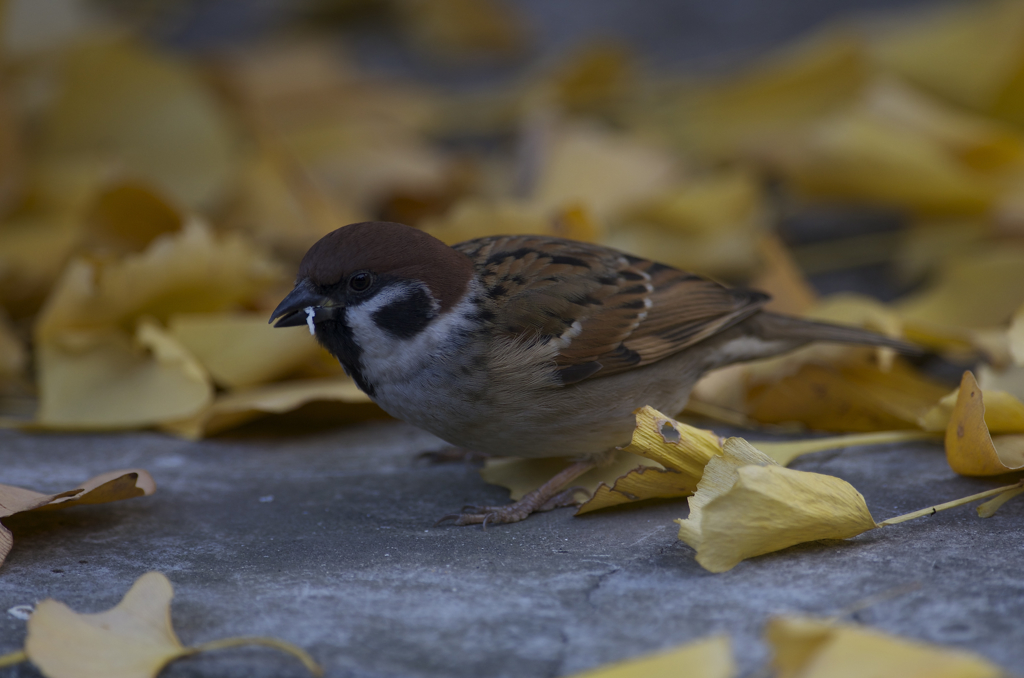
x=373 y=278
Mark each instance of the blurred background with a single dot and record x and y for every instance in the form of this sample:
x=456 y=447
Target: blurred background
x=164 y=165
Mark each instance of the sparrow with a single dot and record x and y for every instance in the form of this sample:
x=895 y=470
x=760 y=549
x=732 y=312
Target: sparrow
x=528 y=345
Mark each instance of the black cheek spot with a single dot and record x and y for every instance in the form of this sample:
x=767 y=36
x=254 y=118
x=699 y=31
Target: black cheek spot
x=405 y=317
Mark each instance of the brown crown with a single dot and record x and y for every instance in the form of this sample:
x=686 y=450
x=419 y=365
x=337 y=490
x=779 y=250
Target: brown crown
x=386 y=248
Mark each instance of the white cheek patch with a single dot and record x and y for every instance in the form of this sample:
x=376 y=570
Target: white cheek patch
x=387 y=359
x=310 y=314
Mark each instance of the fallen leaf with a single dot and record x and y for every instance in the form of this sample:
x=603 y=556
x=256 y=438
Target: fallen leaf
x=741 y=115
x=856 y=156
x=603 y=170
x=13 y=356
x=134 y=639
x=234 y=409
x=595 y=79
x=745 y=388
x=853 y=398
x=782 y=279
x=969 y=54
x=978 y=142
x=190 y=271
x=107 y=487
x=747 y=505
x=804 y=647
x=989 y=508
x=672 y=455
x=711 y=223
x=707 y=658
x=784 y=452
x=150 y=113
x=1004 y=412
x=127 y=217
x=982 y=287
x=970 y=448
x=241 y=349
x=106 y=379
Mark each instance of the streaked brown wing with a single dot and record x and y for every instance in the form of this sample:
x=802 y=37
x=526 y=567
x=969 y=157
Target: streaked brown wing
x=606 y=310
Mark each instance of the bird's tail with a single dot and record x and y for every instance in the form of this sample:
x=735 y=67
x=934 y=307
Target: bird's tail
x=774 y=327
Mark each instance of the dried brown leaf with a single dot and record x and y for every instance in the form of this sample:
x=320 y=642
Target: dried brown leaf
x=106 y=487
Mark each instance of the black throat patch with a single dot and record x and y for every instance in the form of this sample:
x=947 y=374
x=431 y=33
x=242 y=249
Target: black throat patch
x=336 y=337
x=406 y=317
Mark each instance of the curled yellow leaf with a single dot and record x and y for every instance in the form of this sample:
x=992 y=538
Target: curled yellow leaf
x=678 y=451
x=106 y=487
x=971 y=450
x=747 y=505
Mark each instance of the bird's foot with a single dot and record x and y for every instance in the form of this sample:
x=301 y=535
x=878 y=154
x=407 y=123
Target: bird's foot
x=534 y=502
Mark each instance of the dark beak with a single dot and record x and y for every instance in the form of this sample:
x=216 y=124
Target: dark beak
x=292 y=311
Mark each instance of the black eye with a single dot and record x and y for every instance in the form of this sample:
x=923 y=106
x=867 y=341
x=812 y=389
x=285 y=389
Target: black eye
x=359 y=282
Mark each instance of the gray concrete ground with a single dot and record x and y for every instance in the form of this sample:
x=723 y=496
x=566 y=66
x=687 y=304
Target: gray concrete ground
x=326 y=540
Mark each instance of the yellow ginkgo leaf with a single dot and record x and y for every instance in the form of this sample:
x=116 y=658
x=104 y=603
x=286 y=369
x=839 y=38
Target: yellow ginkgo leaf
x=982 y=287
x=707 y=658
x=970 y=448
x=605 y=171
x=857 y=156
x=818 y=648
x=189 y=271
x=678 y=453
x=135 y=639
x=242 y=349
x=989 y=508
x=104 y=379
x=969 y=54
x=120 y=101
x=747 y=505
x=847 y=398
x=1004 y=412
x=771 y=101
x=781 y=277
x=106 y=487
x=234 y=409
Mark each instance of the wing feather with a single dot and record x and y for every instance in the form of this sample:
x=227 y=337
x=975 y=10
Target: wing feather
x=606 y=311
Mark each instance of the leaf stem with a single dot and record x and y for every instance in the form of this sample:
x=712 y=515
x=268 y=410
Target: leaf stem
x=987 y=509
x=949 y=504
x=785 y=451
x=12 y=658
x=275 y=643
